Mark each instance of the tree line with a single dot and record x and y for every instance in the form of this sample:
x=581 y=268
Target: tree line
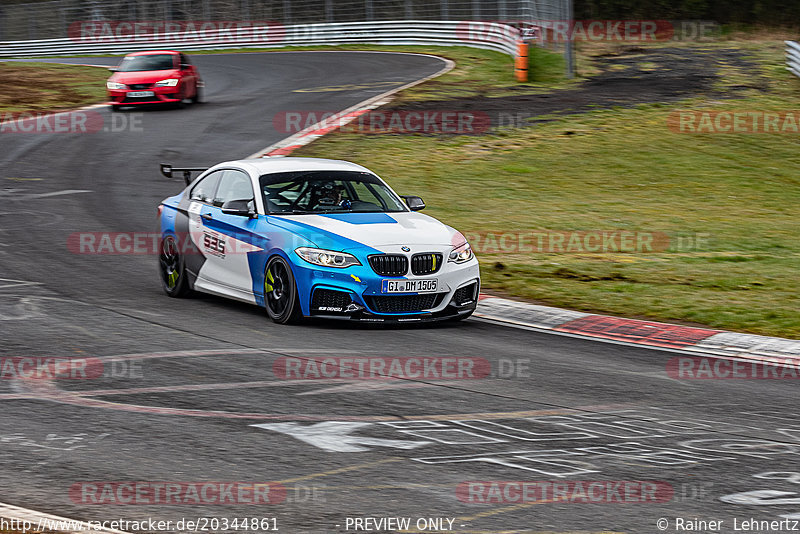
x=746 y=12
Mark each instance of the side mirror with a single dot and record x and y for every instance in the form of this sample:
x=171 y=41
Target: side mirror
x=414 y=203
x=185 y=66
x=238 y=207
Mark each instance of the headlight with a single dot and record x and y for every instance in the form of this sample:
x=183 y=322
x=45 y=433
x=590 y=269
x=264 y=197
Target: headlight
x=115 y=85
x=327 y=258
x=172 y=82
x=461 y=253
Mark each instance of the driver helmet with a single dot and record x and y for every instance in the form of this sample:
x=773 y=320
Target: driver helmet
x=326 y=194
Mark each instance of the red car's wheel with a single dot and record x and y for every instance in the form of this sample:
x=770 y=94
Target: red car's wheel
x=198 y=93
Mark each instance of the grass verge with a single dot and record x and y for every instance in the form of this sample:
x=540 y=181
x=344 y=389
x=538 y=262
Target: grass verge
x=42 y=87
x=728 y=202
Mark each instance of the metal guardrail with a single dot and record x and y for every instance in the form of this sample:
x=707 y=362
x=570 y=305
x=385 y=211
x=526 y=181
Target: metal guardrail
x=492 y=36
x=52 y=19
x=793 y=57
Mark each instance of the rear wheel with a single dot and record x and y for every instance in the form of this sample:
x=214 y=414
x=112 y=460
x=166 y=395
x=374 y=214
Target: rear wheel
x=171 y=269
x=280 y=292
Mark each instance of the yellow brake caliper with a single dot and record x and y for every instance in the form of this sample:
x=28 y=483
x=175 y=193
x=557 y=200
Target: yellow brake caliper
x=268 y=285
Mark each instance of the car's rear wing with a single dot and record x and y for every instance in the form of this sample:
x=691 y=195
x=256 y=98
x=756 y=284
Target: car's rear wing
x=167 y=170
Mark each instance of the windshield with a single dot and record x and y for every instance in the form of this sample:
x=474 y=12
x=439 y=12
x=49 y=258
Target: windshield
x=303 y=192
x=152 y=62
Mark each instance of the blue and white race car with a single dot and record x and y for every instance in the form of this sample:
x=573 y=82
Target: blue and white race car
x=313 y=237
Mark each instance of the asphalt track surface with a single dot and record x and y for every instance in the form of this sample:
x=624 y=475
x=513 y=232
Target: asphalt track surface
x=201 y=373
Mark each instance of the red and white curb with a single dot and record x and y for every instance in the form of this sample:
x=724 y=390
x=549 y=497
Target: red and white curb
x=25 y=520
x=637 y=332
x=317 y=130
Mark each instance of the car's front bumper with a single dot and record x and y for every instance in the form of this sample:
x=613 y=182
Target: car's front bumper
x=448 y=314
x=161 y=95
x=356 y=293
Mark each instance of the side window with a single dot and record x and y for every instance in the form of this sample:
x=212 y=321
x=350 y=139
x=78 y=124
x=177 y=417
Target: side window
x=205 y=188
x=234 y=185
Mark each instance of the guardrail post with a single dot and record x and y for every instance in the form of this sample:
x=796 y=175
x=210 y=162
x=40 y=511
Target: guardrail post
x=521 y=62
x=569 y=56
x=287 y=12
x=476 y=10
x=369 y=10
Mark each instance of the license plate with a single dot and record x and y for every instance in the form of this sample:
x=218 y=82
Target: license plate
x=141 y=93
x=409 y=286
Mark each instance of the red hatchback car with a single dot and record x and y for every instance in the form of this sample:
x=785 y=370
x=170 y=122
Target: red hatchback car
x=153 y=77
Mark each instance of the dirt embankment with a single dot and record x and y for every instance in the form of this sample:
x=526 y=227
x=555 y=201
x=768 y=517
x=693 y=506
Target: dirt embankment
x=628 y=77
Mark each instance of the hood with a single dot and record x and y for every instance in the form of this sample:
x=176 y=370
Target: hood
x=144 y=76
x=380 y=231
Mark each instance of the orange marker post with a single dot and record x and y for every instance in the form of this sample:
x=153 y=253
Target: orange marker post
x=521 y=62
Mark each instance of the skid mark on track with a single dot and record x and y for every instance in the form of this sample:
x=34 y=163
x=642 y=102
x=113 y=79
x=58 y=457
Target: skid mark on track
x=340 y=470
x=19 y=194
x=7 y=283
x=25 y=308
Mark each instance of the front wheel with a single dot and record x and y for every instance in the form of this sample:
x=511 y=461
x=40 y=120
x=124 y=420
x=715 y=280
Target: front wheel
x=280 y=292
x=198 y=94
x=171 y=269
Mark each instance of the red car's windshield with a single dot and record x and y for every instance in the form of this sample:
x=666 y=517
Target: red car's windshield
x=142 y=63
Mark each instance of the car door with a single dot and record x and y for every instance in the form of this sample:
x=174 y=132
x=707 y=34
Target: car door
x=201 y=198
x=229 y=240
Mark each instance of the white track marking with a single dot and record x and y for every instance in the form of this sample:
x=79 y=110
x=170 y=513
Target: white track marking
x=49 y=522
x=5 y=283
